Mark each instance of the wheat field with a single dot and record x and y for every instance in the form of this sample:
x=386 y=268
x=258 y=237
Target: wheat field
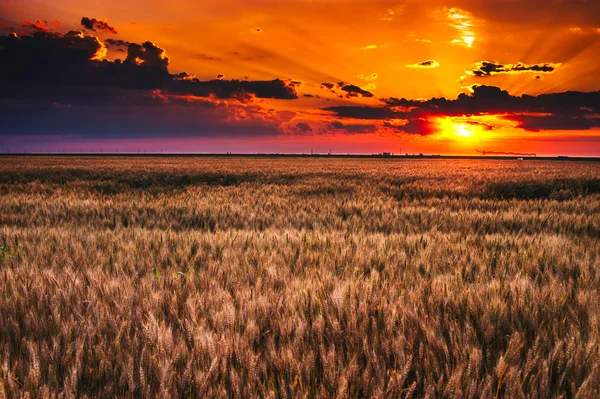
x=265 y=277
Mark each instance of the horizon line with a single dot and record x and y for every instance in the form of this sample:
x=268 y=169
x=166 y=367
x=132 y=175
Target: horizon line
x=309 y=155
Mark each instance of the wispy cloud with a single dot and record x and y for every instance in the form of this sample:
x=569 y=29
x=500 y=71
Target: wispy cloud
x=388 y=16
x=425 y=64
x=369 y=47
x=367 y=78
x=462 y=21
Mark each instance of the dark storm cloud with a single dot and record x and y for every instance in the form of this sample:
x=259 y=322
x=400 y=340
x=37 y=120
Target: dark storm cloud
x=126 y=120
x=558 y=111
x=491 y=99
x=554 y=122
x=61 y=84
x=46 y=56
x=94 y=24
x=487 y=68
x=46 y=62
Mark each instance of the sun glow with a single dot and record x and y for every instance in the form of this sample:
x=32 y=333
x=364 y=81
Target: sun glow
x=464 y=130
x=461 y=129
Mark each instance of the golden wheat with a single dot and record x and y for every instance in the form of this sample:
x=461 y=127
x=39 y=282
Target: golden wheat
x=299 y=277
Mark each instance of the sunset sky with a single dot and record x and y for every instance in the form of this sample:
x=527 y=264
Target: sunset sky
x=290 y=76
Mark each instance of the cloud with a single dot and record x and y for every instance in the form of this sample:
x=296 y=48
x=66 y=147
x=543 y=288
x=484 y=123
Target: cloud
x=388 y=16
x=355 y=91
x=46 y=76
x=148 y=55
x=369 y=47
x=166 y=117
x=37 y=26
x=46 y=55
x=303 y=127
x=184 y=76
x=536 y=123
x=352 y=128
x=94 y=24
x=425 y=64
x=463 y=21
x=420 y=127
x=118 y=44
x=241 y=90
x=364 y=112
x=488 y=68
x=367 y=78
x=347 y=90
x=33 y=64
x=204 y=56
x=492 y=99
x=558 y=111
x=55 y=84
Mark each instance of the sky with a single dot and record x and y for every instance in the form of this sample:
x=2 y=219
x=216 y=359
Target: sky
x=295 y=76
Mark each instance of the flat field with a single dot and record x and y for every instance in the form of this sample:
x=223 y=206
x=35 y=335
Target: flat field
x=299 y=277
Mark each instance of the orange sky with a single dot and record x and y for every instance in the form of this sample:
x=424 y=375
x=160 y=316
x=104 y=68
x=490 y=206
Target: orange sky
x=401 y=49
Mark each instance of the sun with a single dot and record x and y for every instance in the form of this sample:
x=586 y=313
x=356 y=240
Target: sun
x=459 y=129
x=464 y=130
